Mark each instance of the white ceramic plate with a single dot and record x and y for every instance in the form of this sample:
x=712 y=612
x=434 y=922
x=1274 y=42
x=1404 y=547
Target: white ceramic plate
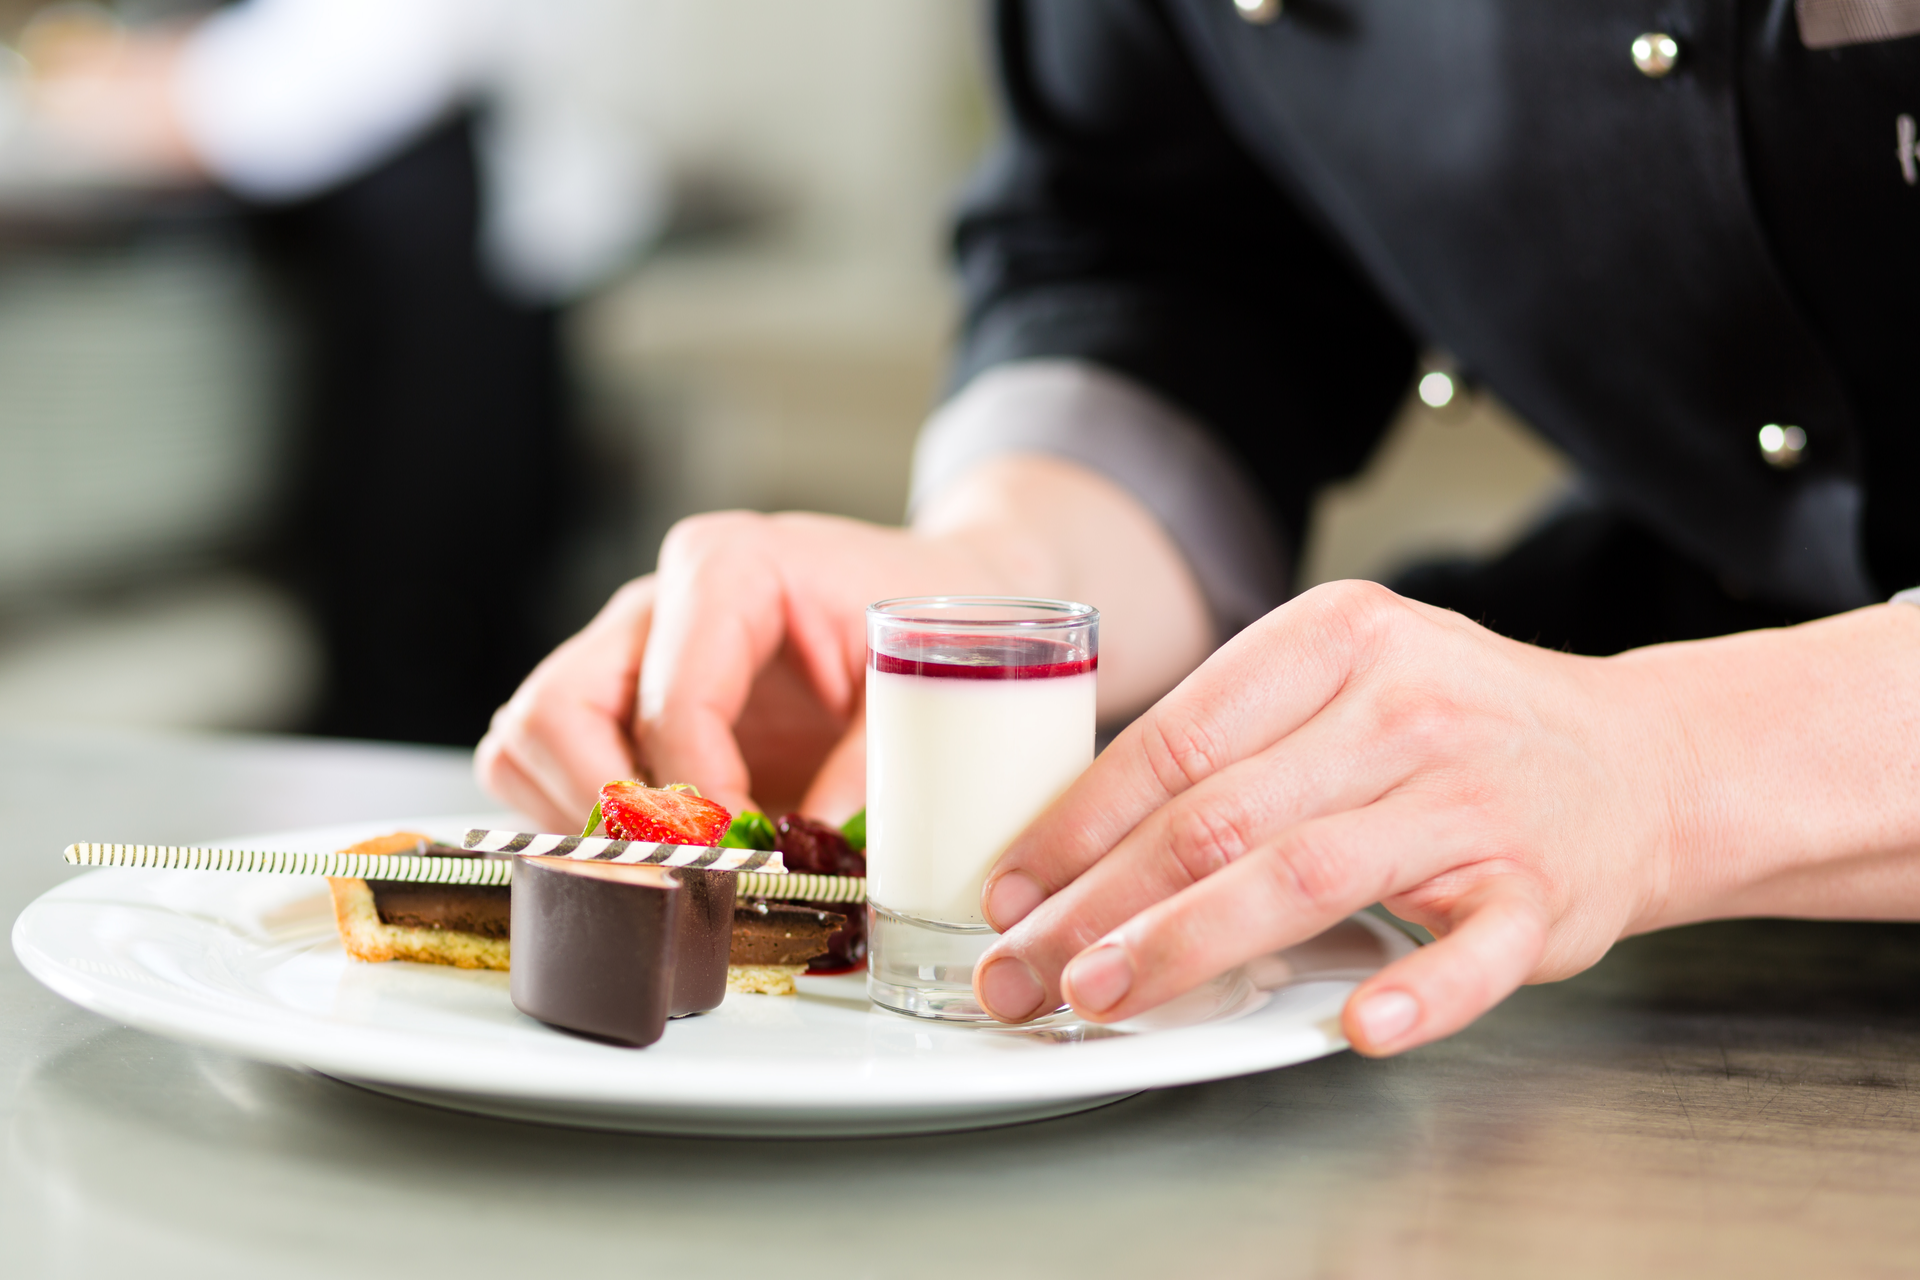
x=251 y=964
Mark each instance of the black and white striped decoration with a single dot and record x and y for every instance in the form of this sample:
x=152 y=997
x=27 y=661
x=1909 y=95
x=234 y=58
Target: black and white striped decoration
x=601 y=849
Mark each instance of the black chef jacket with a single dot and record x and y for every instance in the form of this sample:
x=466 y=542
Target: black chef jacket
x=1262 y=222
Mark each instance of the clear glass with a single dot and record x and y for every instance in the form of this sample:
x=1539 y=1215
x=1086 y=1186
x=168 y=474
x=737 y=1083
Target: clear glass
x=980 y=711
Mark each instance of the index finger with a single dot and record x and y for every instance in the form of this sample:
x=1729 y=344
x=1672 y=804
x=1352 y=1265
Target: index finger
x=1257 y=688
x=564 y=731
x=712 y=631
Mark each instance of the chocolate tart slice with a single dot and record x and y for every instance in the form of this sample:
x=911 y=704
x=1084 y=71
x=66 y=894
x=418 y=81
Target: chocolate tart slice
x=465 y=926
x=772 y=943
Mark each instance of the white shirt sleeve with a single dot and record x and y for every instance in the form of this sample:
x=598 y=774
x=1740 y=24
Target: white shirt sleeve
x=1111 y=424
x=284 y=98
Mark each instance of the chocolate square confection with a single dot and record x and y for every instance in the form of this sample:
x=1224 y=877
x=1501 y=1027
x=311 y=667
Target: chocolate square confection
x=594 y=946
x=703 y=936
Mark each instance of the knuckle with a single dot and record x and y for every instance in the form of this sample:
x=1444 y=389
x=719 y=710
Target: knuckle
x=630 y=594
x=1182 y=749
x=537 y=720
x=500 y=727
x=1531 y=933
x=1355 y=599
x=1365 y=614
x=1310 y=870
x=508 y=723
x=696 y=539
x=1421 y=720
x=1202 y=838
x=489 y=758
x=1358 y=595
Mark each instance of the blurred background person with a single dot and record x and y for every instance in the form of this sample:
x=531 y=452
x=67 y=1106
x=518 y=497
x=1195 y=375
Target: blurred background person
x=465 y=415
x=433 y=180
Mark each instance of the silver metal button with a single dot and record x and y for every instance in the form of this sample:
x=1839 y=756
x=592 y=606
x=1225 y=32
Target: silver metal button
x=1258 y=12
x=1782 y=446
x=1437 y=390
x=1655 y=53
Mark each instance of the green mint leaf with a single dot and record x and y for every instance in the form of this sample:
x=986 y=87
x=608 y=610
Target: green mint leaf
x=593 y=820
x=855 y=830
x=751 y=830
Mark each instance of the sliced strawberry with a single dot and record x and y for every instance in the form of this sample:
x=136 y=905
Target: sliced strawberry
x=664 y=815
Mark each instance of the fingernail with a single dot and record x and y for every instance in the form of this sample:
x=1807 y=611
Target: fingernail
x=1386 y=1017
x=1098 y=979
x=1009 y=989
x=1011 y=898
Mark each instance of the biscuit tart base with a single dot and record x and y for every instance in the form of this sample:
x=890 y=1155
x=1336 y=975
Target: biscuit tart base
x=763 y=979
x=368 y=938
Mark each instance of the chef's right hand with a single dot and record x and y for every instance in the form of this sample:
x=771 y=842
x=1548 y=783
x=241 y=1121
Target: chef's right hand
x=738 y=666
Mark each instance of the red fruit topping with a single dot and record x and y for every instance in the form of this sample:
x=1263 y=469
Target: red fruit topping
x=809 y=845
x=661 y=815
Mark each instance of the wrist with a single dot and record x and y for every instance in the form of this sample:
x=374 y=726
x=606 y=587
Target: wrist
x=1787 y=768
x=1674 y=794
x=1041 y=526
x=983 y=523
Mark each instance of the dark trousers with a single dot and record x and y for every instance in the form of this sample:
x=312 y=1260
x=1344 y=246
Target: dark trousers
x=434 y=447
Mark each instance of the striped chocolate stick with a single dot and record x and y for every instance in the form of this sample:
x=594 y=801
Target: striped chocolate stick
x=763 y=872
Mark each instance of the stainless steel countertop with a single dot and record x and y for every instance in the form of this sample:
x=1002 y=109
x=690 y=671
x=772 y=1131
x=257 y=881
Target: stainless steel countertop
x=1734 y=1097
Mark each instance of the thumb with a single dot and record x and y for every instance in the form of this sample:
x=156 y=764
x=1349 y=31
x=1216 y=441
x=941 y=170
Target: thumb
x=1441 y=988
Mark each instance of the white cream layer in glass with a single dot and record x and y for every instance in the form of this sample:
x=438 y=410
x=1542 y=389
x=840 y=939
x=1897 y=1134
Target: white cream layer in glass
x=955 y=769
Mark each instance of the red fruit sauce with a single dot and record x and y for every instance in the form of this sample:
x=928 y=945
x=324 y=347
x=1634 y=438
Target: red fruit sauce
x=966 y=657
x=806 y=844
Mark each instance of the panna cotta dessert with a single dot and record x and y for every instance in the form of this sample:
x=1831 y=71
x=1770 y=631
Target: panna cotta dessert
x=980 y=712
x=973 y=751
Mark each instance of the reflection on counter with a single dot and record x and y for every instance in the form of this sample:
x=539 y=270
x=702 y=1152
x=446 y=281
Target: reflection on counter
x=1618 y=1097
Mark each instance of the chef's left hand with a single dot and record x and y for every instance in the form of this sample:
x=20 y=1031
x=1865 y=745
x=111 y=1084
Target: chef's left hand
x=1528 y=806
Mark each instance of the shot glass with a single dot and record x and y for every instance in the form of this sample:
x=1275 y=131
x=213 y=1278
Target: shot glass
x=980 y=711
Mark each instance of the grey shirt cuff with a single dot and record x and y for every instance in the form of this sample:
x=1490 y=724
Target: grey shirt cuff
x=1910 y=596
x=1109 y=423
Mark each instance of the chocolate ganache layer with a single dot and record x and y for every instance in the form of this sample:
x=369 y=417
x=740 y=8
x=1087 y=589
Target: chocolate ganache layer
x=483 y=909
x=781 y=933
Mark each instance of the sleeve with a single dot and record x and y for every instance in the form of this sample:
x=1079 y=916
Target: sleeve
x=1119 y=224
x=1111 y=424
x=284 y=98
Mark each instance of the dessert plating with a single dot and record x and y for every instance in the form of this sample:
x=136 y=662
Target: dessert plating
x=612 y=944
